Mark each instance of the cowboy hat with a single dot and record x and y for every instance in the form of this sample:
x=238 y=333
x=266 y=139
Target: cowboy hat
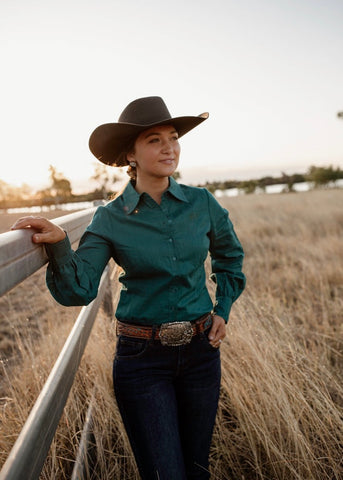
x=110 y=142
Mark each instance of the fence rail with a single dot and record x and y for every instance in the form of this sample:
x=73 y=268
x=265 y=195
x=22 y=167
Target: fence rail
x=19 y=258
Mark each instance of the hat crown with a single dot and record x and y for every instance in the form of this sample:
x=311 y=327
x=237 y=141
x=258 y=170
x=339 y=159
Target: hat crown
x=145 y=111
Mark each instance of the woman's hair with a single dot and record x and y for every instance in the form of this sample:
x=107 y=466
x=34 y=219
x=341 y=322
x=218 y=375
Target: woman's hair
x=132 y=173
x=122 y=159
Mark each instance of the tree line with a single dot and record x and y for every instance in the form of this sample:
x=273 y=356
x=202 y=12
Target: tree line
x=60 y=189
x=317 y=176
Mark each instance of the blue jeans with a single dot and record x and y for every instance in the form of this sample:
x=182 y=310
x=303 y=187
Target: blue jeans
x=168 y=398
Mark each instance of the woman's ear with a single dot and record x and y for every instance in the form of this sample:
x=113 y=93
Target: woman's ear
x=130 y=157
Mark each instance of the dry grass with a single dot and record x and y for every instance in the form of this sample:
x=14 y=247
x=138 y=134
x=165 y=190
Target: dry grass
x=281 y=407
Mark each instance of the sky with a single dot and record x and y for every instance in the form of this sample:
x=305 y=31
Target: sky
x=269 y=72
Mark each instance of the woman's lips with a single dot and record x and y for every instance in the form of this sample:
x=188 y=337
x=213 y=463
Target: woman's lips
x=167 y=161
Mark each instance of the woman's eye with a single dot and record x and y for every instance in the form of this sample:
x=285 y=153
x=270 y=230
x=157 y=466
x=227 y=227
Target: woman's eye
x=154 y=140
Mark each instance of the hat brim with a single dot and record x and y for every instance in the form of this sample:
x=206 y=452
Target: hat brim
x=109 y=141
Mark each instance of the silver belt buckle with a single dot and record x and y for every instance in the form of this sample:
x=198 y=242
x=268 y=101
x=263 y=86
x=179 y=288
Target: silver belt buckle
x=174 y=334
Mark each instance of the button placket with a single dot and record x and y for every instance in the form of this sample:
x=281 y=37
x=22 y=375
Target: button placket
x=169 y=231
x=170 y=239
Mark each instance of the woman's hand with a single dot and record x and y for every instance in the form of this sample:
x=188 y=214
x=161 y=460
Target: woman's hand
x=217 y=332
x=47 y=232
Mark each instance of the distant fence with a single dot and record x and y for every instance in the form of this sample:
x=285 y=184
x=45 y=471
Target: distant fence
x=20 y=258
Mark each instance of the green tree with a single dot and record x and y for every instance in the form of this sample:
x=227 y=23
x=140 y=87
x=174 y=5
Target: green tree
x=249 y=186
x=289 y=181
x=264 y=182
x=321 y=176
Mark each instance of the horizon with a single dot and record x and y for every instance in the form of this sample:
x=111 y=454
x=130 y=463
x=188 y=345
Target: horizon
x=187 y=176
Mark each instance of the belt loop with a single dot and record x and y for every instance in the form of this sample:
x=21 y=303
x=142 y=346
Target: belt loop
x=197 y=328
x=153 y=333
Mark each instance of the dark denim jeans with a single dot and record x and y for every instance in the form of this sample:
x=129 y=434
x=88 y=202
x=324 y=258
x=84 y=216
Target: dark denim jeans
x=168 y=398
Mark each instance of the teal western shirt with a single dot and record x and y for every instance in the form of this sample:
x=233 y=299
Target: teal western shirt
x=161 y=249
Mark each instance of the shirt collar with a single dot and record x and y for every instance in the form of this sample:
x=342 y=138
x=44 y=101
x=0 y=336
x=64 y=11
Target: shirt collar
x=176 y=190
x=131 y=197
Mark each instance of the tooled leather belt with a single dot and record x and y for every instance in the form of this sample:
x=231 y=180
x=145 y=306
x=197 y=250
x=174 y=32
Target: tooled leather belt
x=172 y=334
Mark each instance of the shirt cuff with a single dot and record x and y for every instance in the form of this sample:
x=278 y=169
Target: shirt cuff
x=222 y=307
x=60 y=252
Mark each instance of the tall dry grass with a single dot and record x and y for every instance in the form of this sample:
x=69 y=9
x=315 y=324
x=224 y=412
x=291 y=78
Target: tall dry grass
x=281 y=406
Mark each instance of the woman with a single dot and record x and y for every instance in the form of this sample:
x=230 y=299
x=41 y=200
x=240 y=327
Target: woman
x=166 y=370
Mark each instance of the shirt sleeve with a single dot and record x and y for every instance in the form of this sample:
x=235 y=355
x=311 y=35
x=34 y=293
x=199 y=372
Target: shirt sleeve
x=73 y=277
x=226 y=259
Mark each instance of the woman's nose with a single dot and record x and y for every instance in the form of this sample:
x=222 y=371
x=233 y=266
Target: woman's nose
x=167 y=146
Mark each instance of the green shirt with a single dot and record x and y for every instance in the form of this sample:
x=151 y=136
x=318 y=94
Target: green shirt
x=161 y=249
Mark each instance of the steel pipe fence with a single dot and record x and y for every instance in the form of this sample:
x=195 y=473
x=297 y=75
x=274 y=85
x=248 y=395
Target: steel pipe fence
x=20 y=258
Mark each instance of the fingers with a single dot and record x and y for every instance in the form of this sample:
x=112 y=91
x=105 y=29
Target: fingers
x=31 y=222
x=47 y=232
x=217 y=332
x=48 y=237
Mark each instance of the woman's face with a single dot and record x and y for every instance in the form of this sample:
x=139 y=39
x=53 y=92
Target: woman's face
x=156 y=152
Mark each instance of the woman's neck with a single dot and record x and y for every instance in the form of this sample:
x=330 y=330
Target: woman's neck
x=154 y=187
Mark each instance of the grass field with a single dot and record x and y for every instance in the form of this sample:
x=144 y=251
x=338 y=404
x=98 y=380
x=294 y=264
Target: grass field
x=281 y=406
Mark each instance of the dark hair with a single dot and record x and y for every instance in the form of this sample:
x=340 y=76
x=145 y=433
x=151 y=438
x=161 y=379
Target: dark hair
x=122 y=161
x=130 y=148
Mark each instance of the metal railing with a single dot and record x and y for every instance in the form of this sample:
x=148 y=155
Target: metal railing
x=20 y=258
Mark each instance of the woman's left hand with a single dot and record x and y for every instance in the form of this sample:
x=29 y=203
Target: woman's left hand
x=217 y=332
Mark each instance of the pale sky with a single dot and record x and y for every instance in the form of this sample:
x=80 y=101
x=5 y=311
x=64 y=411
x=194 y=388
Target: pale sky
x=270 y=72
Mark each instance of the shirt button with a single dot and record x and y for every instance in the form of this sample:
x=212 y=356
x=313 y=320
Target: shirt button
x=170 y=239
x=170 y=221
x=174 y=258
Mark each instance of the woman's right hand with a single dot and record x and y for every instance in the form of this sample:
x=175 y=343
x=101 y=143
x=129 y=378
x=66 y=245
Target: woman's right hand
x=47 y=232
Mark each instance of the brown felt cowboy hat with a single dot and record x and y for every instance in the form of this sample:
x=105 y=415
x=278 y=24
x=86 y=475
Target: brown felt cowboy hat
x=111 y=142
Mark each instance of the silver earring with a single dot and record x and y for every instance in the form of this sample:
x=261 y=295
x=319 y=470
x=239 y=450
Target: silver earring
x=133 y=164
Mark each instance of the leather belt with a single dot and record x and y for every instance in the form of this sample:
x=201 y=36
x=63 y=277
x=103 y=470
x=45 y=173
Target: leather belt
x=172 y=333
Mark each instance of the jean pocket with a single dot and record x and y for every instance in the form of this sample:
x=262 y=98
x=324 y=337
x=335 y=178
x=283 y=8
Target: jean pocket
x=130 y=347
